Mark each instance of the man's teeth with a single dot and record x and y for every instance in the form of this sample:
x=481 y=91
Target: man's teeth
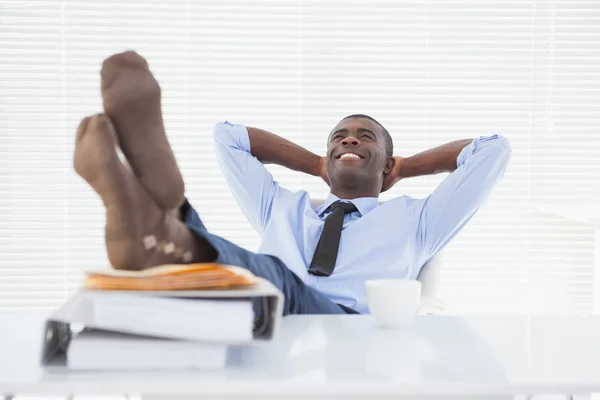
x=349 y=155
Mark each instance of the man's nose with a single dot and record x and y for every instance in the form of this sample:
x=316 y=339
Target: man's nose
x=350 y=140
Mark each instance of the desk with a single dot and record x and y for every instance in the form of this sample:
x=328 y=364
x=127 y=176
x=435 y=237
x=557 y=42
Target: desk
x=341 y=356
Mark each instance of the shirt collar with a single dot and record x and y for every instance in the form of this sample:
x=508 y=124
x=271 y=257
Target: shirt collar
x=363 y=204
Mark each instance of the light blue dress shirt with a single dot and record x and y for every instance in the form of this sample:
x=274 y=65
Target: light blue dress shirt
x=389 y=240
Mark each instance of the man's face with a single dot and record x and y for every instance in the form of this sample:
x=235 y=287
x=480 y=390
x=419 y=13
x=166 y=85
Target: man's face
x=356 y=152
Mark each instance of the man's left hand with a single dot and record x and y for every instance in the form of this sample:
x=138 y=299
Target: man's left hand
x=395 y=174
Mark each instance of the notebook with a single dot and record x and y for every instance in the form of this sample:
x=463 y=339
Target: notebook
x=221 y=320
x=102 y=350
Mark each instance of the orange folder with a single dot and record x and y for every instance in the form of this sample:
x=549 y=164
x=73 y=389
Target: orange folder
x=171 y=277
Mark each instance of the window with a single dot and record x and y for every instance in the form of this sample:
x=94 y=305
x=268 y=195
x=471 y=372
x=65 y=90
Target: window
x=430 y=71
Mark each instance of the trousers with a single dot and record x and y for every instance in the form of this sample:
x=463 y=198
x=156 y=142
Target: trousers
x=299 y=297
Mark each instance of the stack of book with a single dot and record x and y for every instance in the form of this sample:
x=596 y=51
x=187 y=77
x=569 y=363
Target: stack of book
x=161 y=318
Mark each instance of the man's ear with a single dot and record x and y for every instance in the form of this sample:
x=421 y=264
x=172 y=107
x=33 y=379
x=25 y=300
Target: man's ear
x=389 y=165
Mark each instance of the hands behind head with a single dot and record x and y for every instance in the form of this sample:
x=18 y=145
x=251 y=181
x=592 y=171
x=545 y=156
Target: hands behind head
x=323 y=171
x=394 y=176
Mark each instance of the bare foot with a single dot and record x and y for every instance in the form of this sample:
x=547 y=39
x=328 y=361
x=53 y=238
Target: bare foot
x=131 y=98
x=139 y=234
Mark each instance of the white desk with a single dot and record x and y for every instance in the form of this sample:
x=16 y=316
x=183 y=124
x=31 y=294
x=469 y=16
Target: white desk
x=335 y=356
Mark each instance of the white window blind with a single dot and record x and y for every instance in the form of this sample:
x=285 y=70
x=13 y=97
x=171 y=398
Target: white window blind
x=430 y=71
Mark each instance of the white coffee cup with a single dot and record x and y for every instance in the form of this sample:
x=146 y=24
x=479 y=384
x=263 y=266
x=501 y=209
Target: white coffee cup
x=393 y=302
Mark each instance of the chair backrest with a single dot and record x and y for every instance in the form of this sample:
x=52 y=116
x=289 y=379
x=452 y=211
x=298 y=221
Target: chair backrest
x=429 y=276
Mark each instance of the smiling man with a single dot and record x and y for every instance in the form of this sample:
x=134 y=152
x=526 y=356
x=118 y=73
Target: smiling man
x=320 y=258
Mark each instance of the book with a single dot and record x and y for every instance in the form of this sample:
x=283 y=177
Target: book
x=100 y=350
x=78 y=311
x=217 y=320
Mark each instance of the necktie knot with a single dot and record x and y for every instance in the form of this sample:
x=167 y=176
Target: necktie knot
x=346 y=207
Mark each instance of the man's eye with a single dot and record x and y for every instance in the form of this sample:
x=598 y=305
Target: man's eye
x=366 y=136
x=336 y=137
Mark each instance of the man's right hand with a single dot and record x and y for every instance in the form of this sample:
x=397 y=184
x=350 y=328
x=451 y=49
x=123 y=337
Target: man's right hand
x=272 y=149
x=323 y=170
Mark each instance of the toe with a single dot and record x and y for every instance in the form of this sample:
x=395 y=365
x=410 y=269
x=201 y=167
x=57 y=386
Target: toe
x=82 y=128
x=95 y=152
x=97 y=134
x=128 y=59
x=130 y=69
x=134 y=59
x=102 y=122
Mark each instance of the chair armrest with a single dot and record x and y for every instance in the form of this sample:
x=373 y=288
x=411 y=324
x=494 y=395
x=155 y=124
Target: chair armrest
x=431 y=305
x=429 y=276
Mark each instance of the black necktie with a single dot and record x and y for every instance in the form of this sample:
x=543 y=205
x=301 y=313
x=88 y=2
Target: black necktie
x=323 y=261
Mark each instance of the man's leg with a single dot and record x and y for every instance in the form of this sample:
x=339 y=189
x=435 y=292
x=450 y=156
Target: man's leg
x=138 y=233
x=141 y=234
x=131 y=99
x=299 y=298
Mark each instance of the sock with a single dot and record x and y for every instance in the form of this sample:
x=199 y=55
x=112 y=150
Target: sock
x=138 y=233
x=132 y=99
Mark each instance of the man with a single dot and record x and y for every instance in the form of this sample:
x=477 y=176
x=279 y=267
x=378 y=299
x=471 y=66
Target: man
x=319 y=258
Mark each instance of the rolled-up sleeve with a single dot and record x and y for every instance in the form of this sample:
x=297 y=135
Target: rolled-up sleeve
x=480 y=166
x=250 y=182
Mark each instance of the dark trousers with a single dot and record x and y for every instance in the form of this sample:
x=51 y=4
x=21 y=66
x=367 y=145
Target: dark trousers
x=299 y=298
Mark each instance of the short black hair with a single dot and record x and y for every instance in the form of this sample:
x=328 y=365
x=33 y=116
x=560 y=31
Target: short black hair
x=389 y=144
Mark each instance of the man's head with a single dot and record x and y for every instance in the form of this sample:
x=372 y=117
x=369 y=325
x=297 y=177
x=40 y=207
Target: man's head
x=359 y=154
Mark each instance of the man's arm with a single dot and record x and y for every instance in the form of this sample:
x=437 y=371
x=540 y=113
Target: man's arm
x=437 y=160
x=272 y=149
x=241 y=152
x=434 y=161
x=476 y=166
